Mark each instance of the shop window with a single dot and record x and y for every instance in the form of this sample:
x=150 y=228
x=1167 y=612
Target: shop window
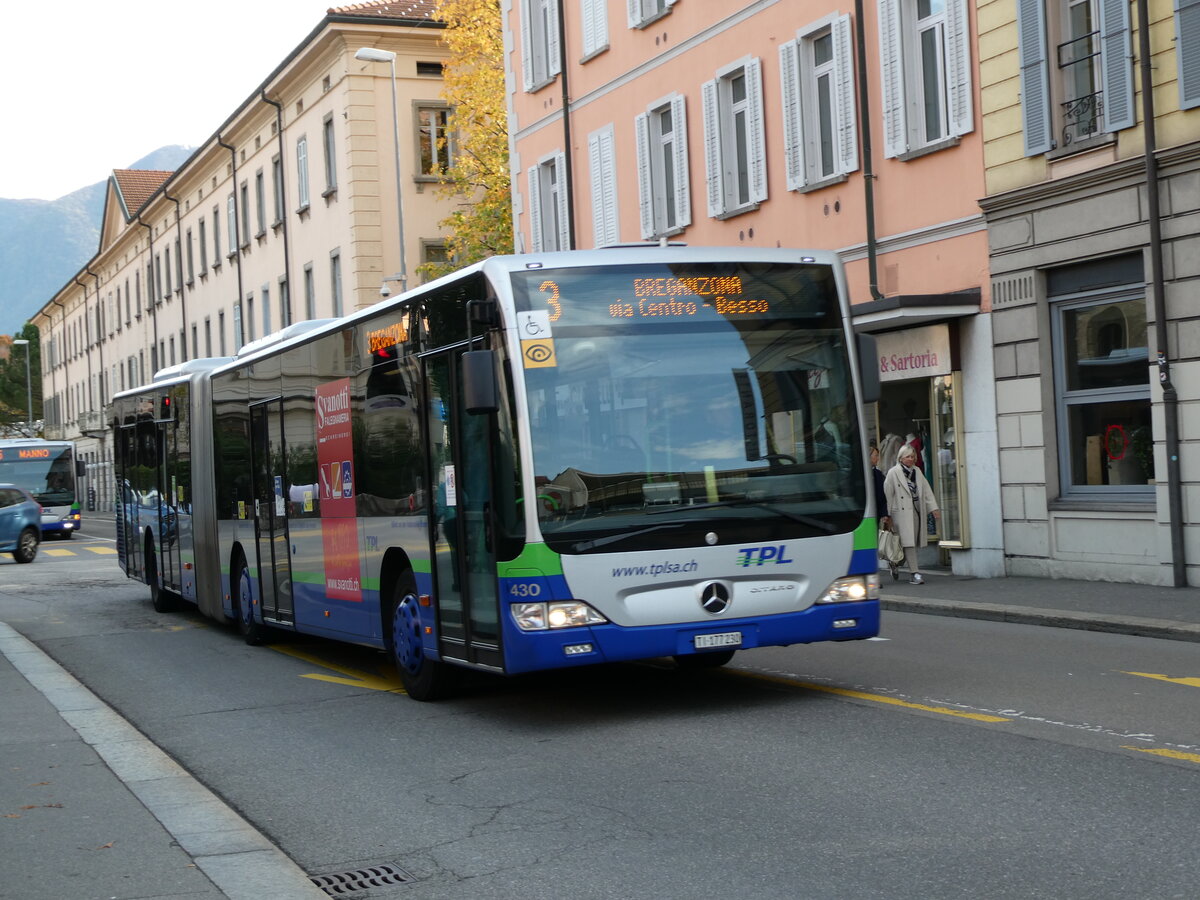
x=1102 y=390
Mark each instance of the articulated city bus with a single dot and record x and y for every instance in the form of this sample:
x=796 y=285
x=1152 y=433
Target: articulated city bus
x=540 y=461
x=48 y=470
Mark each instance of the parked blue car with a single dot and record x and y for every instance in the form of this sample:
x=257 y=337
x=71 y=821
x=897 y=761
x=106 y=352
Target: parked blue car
x=20 y=523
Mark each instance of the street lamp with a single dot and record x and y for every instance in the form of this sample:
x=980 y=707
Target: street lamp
x=373 y=54
x=28 y=381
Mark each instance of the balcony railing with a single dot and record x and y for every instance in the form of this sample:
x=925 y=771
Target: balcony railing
x=1083 y=117
x=91 y=421
x=1083 y=114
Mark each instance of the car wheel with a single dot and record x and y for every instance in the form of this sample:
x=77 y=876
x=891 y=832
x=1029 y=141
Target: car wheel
x=27 y=546
x=423 y=678
x=696 y=661
x=254 y=633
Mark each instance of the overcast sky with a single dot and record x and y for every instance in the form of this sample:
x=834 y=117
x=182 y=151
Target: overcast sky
x=92 y=86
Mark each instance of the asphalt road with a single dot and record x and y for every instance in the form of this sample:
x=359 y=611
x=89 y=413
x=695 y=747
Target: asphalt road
x=955 y=758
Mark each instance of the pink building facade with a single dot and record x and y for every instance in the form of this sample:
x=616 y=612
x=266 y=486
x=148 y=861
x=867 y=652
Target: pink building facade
x=709 y=124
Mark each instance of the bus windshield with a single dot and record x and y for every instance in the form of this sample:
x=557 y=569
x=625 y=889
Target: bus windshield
x=46 y=472
x=689 y=398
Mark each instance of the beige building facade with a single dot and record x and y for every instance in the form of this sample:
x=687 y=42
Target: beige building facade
x=743 y=125
x=288 y=212
x=1094 y=252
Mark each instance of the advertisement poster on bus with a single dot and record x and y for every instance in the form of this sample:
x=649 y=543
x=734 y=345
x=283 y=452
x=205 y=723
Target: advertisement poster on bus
x=335 y=461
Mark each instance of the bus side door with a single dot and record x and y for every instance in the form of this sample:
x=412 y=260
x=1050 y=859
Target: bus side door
x=464 y=558
x=267 y=467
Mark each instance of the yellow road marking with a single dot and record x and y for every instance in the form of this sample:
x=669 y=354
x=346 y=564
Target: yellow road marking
x=103 y=551
x=59 y=552
x=384 y=681
x=1189 y=682
x=874 y=698
x=1169 y=754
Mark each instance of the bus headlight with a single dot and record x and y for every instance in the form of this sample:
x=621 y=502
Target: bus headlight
x=852 y=589
x=559 y=614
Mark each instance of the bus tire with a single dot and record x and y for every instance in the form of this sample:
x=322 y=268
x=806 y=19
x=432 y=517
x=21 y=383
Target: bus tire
x=254 y=633
x=423 y=678
x=160 y=598
x=712 y=660
x=27 y=546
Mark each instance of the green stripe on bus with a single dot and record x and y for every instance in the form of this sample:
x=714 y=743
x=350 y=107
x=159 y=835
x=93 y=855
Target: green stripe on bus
x=534 y=556
x=866 y=535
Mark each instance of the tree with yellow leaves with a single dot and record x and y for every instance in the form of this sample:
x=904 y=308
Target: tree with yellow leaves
x=478 y=175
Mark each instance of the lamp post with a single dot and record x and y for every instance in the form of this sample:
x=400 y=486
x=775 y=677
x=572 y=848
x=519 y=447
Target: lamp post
x=28 y=382
x=373 y=54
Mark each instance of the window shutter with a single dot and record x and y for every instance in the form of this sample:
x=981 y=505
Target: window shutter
x=683 y=197
x=958 y=68
x=527 y=51
x=1035 y=84
x=564 y=210
x=634 y=9
x=1116 y=65
x=604 y=187
x=758 y=150
x=891 y=66
x=641 y=127
x=535 y=209
x=793 y=135
x=712 y=149
x=595 y=26
x=1187 y=51
x=845 y=114
x=553 y=54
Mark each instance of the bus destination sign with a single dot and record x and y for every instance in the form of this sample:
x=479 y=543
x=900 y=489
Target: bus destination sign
x=674 y=298
x=26 y=453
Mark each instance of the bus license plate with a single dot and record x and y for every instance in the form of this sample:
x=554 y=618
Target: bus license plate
x=728 y=639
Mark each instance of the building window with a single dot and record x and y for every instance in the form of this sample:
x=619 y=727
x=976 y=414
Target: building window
x=203 y=247
x=195 y=342
x=221 y=331
x=820 y=131
x=191 y=260
x=335 y=281
x=435 y=140
x=208 y=348
x=216 y=220
x=277 y=184
x=1102 y=391
x=285 y=304
x=310 y=293
x=260 y=203
x=238 y=336
x=602 y=156
x=302 y=172
x=925 y=52
x=171 y=345
x=178 y=266
x=662 y=161
x=167 y=271
x=248 y=316
x=643 y=12
x=1076 y=73
x=231 y=223
x=594 y=21
x=734 y=150
x=548 y=204
x=539 y=42
x=245 y=198
x=435 y=252
x=330 y=157
x=266 y=309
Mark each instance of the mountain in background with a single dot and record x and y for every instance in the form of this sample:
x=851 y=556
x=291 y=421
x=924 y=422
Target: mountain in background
x=43 y=243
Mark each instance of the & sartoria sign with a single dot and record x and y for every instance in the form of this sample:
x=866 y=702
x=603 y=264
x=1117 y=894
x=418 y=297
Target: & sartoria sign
x=914 y=353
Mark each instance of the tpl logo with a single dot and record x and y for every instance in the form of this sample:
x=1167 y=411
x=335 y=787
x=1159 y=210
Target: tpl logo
x=760 y=556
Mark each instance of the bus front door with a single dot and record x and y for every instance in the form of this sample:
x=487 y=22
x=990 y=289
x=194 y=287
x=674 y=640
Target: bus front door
x=168 y=524
x=267 y=467
x=464 y=559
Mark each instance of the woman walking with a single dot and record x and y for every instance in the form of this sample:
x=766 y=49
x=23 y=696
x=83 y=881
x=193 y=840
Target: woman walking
x=910 y=500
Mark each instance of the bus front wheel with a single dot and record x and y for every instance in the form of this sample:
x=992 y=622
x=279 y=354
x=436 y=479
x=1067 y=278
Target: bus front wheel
x=423 y=678
x=252 y=632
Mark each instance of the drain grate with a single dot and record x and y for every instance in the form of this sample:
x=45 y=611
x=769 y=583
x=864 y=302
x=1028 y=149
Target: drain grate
x=343 y=884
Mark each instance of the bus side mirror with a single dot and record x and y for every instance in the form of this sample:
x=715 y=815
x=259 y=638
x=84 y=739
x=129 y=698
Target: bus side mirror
x=479 y=382
x=868 y=366
x=80 y=468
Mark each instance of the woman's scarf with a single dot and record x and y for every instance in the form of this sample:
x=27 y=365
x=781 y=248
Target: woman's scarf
x=910 y=475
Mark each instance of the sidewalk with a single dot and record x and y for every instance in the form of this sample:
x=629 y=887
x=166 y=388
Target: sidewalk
x=89 y=808
x=1142 y=610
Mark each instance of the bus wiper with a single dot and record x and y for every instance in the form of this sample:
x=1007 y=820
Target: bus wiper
x=625 y=535
x=811 y=521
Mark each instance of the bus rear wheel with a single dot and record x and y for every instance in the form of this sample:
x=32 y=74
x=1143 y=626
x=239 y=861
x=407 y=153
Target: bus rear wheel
x=254 y=633
x=696 y=661
x=160 y=598
x=423 y=678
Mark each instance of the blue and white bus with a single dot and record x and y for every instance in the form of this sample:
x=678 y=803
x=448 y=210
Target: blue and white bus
x=540 y=461
x=48 y=470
